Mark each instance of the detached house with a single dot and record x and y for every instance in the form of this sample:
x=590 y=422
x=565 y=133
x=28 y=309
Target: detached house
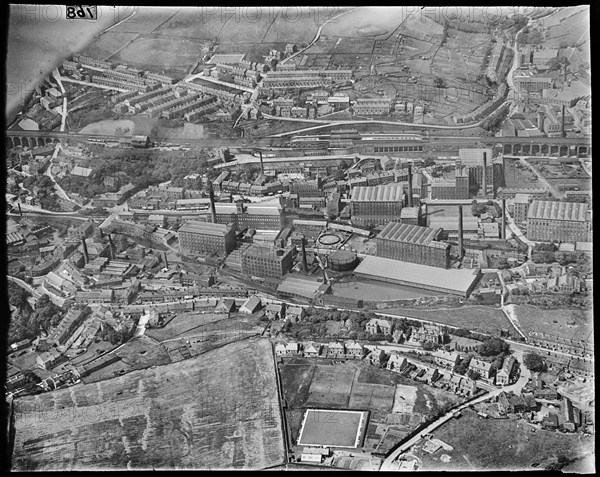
x=313 y=350
x=225 y=305
x=446 y=358
x=504 y=375
x=377 y=325
x=396 y=363
x=294 y=314
x=251 y=305
x=355 y=350
x=274 y=311
x=429 y=334
x=376 y=357
x=336 y=350
x=485 y=370
x=287 y=349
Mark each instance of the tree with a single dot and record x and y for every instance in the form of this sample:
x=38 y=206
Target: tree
x=534 y=362
x=557 y=63
x=439 y=82
x=493 y=347
x=474 y=375
x=429 y=345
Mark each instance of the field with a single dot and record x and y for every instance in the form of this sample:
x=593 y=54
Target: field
x=563 y=322
x=108 y=43
x=109 y=128
x=396 y=404
x=218 y=411
x=332 y=428
x=508 y=445
x=378 y=22
x=481 y=319
x=170 y=54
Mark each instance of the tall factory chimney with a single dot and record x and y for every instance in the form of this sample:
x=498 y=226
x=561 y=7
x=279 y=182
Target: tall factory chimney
x=20 y=211
x=304 y=263
x=485 y=173
x=410 y=189
x=112 y=247
x=460 y=232
x=563 y=133
x=262 y=167
x=213 y=211
x=85 y=251
x=165 y=257
x=503 y=219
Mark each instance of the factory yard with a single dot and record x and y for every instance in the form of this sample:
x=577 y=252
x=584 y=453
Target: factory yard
x=216 y=411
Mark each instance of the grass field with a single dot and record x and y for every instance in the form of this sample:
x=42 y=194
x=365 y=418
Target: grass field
x=566 y=323
x=166 y=52
x=396 y=404
x=332 y=428
x=508 y=444
x=483 y=319
x=217 y=411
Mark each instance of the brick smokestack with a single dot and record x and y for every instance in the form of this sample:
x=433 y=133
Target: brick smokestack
x=112 y=247
x=165 y=257
x=503 y=219
x=213 y=211
x=20 y=211
x=460 y=232
x=485 y=173
x=262 y=167
x=563 y=133
x=85 y=251
x=304 y=263
x=410 y=189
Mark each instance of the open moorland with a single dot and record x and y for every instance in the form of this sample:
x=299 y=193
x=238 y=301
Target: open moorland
x=489 y=444
x=217 y=411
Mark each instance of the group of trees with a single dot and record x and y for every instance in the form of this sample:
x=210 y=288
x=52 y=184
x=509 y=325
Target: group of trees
x=142 y=169
x=46 y=195
x=534 y=362
x=352 y=325
x=493 y=123
x=28 y=323
x=549 y=253
x=115 y=337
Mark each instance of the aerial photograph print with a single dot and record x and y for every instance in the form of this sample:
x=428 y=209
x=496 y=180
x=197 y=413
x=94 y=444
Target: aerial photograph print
x=298 y=238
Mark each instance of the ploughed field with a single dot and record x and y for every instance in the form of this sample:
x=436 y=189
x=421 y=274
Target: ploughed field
x=219 y=411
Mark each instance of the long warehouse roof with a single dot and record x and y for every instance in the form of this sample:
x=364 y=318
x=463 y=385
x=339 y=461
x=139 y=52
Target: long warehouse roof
x=386 y=269
x=399 y=232
x=377 y=194
x=552 y=210
x=204 y=228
